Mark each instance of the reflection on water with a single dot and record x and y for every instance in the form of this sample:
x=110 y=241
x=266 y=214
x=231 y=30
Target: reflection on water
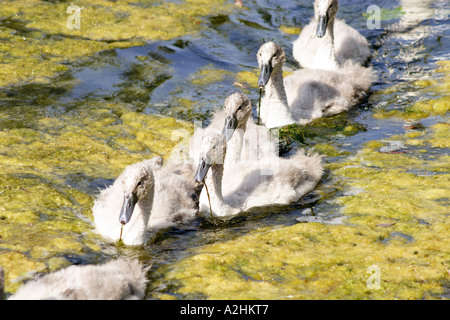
x=105 y=101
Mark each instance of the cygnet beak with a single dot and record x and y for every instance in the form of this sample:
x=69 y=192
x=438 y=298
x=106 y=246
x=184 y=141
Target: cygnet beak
x=129 y=202
x=264 y=76
x=230 y=125
x=322 y=26
x=202 y=169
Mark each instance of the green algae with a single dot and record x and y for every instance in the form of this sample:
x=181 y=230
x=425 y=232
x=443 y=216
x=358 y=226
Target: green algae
x=17 y=266
x=318 y=132
x=290 y=30
x=37 y=43
x=36 y=58
x=396 y=220
x=329 y=150
x=249 y=78
x=208 y=75
x=395 y=206
x=438 y=105
x=89 y=137
x=44 y=217
x=313 y=262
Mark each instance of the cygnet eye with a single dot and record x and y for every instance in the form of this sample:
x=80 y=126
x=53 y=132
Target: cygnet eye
x=240 y=108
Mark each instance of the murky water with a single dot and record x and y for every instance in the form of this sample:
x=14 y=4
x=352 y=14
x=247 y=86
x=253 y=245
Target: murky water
x=66 y=136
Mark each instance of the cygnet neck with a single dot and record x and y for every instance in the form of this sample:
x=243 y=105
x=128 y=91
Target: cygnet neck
x=325 y=58
x=213 y=180
x=234 y=145
x=275 y=110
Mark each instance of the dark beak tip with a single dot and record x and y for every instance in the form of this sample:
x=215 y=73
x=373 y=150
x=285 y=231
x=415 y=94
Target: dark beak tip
x=262 y=82
x=123 y=220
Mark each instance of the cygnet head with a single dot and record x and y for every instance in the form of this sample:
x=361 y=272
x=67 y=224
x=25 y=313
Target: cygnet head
x=212 y=152
x=270 y=57
x=238 y=109
x=138 y=182
x=325 y=11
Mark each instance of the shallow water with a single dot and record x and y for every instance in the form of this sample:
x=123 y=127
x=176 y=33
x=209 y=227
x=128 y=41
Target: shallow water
x=70 y=128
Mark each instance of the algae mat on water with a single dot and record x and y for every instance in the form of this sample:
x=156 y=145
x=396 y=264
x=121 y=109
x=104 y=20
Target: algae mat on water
x=40 y=38
x=397 y=224
x=54 y=162
x=394 y=243
x=45 y=205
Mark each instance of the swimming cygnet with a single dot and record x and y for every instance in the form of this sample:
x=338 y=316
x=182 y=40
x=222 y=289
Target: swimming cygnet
x=246 y=141
x=328 y=43
x=145 y=197
x=175 y=202
x=249 y=141
x=247 y=185
x=115 y=280
x=306 y=94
